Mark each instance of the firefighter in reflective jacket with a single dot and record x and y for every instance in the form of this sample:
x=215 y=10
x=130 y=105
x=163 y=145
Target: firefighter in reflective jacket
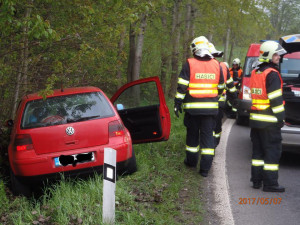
x=229 y=93
x=236 y=72
x=266 y=118
x=199 y=84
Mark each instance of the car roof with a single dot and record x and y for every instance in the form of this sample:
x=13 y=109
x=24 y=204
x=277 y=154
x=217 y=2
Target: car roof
x=253 y=50
x=61 y=92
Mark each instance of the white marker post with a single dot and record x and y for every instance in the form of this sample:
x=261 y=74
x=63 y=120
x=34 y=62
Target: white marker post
x=109 y=185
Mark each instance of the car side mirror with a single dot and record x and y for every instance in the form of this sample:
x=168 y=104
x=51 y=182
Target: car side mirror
x=9 y=123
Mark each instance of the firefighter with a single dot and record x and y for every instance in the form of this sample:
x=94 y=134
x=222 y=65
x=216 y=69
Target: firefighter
x=199 y=84
x=236 y=74
x=229 y=93
x=266 y=118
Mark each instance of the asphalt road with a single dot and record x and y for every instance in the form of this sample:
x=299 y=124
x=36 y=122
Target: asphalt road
x=248 y=205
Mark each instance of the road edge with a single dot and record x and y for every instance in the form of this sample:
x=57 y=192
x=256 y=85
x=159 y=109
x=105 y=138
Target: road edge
x=219 y=181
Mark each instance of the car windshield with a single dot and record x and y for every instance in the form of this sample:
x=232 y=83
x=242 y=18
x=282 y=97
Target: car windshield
x=290 y=69
x=248 y=66
x=65 y=109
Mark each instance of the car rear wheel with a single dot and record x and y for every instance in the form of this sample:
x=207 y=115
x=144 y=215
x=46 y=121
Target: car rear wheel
x=131 y=166
x=18 y=188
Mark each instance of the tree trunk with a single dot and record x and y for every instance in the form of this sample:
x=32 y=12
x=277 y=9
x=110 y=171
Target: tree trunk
x=131 y=52
x=120 y=50
x=193 y=17
x=186 y=34
x=226 y=45
x=231 y=53
x=210 y=35
x=175 y=51
x=139 y=49
x=164 y=55
x=23 y=68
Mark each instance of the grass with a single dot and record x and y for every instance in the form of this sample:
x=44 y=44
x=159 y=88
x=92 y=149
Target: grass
x=162 y=191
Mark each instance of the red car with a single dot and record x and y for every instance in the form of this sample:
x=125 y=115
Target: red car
x=68 y=131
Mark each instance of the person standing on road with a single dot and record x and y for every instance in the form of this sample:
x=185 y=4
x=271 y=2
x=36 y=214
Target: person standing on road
x=266 y=118
x=229 y=93
x=199 y=84
x=236 y=74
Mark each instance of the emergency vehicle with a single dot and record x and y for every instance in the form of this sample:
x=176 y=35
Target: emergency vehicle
x=290 y=72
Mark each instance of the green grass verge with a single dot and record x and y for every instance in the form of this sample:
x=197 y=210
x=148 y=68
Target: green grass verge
x=162 y=191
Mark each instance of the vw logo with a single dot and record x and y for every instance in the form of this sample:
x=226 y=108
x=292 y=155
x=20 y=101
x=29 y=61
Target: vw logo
x=70 y=131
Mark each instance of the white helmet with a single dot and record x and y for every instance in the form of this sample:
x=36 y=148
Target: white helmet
x=268 y=49
x=214 y=51
x=236 y=61
x=199 y=43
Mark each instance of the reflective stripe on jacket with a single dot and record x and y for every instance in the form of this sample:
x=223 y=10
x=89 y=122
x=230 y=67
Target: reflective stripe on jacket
x=204 y=78
x=261 y=110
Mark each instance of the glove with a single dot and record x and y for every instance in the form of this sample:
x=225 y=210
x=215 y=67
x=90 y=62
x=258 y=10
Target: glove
x=177 y=107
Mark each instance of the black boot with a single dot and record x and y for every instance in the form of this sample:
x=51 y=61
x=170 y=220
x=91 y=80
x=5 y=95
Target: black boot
x=203 y=173
x=188 y=165
x=274 y=188
x=257 y=184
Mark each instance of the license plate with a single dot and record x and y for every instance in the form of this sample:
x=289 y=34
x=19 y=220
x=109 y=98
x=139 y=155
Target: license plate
x=76 y=158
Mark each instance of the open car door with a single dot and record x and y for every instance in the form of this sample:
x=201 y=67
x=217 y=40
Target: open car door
x=141 y=105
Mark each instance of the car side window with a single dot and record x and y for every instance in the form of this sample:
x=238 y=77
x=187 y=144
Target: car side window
x=139 y=95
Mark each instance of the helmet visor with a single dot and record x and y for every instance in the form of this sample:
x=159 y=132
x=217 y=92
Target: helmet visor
x=280 y=50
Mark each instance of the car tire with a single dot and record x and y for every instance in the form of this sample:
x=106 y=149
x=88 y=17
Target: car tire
x=242 y=120
x=17 y=187
x=131 y=166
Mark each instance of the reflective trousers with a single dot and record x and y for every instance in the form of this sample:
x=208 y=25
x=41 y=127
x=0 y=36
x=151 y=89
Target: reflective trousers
x=199 y=128
x=218 y=128
x=266 y=153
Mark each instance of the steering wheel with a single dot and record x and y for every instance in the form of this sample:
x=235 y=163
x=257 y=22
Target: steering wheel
x=52 y=119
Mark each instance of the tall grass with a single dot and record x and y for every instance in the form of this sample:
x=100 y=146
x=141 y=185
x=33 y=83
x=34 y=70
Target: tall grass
x=152 y=195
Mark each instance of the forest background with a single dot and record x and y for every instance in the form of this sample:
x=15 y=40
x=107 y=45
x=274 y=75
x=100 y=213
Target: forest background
x=46 y=44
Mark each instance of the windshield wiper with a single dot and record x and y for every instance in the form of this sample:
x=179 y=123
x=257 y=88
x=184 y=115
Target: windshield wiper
x=82 y=119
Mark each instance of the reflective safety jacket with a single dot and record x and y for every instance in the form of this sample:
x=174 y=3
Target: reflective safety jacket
x=267 y=102
x=230 y=90
x=200 y=83
x=236 y=75
x=204 y=78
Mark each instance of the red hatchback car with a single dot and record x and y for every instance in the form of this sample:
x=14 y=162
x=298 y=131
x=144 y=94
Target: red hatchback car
x=68 y=131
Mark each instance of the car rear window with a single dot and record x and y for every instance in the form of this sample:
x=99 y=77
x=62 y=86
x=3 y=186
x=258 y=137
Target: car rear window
x=65 y=109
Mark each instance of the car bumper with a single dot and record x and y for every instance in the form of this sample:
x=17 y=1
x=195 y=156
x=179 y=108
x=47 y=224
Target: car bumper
x=30 y=165
x=290 y=135
x=243 y=107
x=77 y=173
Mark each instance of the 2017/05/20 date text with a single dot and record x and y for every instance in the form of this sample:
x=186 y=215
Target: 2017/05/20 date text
x=259 y=201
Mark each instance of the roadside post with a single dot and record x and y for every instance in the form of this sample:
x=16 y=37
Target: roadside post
x=109 y=186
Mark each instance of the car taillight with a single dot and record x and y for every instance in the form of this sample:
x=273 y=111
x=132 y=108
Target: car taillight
x=115 y=129
x=23 y=142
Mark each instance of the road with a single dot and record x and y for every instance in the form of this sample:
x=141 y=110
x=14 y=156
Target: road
x=238 y=165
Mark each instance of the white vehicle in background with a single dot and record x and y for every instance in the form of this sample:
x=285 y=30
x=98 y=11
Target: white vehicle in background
x=290 y=72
